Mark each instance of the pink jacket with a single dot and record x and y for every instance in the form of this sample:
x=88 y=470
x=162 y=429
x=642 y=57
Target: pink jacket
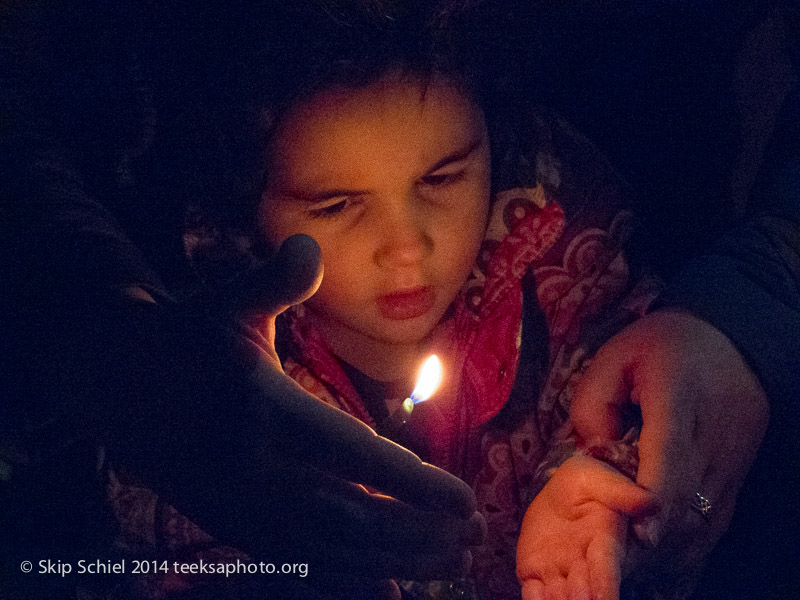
x=584 y=288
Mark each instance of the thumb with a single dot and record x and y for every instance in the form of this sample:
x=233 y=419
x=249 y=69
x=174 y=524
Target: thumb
x=597 y=404
x=613 y=489
x=288 y=277
x=669 y=463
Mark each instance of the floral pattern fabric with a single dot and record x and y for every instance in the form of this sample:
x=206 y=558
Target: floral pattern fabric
x=559 y=215
x=585 y=288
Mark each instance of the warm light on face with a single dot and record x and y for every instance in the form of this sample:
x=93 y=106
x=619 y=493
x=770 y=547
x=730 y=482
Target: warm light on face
x=429 y=378
x=392 y=180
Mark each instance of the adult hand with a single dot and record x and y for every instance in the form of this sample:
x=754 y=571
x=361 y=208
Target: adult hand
x=259 y=463
x=704 y=415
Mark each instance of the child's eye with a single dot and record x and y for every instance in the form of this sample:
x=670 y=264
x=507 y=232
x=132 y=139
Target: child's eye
x=442 y=179
x=331 y=210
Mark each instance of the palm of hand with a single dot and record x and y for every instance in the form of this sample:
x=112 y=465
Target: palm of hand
x=572 y=542
x=704 y=414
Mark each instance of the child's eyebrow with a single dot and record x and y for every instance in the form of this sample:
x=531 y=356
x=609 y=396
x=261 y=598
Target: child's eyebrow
x=458 y=155
x=314 y=197
x=322 y=196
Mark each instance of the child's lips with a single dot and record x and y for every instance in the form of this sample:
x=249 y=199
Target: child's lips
x=406 y=304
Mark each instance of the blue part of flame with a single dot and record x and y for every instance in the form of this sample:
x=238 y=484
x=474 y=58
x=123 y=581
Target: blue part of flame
x=416 y=400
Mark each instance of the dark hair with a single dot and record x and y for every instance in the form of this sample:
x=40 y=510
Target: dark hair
x=275 y=56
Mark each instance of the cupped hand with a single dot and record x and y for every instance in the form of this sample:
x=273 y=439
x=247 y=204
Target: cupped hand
x=573 y=539
x=704 y=415
x=256 y=461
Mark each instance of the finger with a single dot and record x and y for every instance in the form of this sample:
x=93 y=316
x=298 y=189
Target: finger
x=533 y=589
x=308 y=516
x=556 y=589
x=608 y=486
x=350 y=515
x=538 y=561
x=604 y=557
x=578 y=581
x=338 y=443
x=670 y=464
x=380 y=537
x=601 y=393
x=730 y=438
x=288 y=277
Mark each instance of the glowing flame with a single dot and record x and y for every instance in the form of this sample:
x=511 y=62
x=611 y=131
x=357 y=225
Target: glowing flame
x=429 y=378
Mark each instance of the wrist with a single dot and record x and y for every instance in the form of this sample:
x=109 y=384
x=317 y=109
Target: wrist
x=622 y=455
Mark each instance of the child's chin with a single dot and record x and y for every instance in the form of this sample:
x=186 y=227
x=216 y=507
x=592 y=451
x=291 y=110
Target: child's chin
x=410 y=331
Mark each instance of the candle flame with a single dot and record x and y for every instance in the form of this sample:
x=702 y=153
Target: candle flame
x=429 y=378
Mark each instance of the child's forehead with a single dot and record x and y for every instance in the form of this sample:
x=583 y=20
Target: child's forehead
x=387 y=106
x=393 y=122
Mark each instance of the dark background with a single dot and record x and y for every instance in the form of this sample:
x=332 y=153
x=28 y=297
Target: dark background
x=688 y=100
x=681 y=96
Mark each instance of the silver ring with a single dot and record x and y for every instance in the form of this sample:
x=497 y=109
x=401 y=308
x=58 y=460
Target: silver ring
x=702 y=505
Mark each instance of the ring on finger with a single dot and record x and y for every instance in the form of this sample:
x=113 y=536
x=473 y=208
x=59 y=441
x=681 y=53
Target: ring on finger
x=702 y=505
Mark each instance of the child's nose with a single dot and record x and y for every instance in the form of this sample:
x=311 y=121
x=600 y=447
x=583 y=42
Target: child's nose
x=404 y=241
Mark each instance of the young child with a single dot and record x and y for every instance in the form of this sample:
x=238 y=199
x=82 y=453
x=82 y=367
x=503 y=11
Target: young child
x=449 y=225
x=395 y=187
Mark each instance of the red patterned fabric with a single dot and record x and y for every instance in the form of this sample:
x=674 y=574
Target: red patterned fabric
x=481 y=337
x=584 y=287
x=480 y=347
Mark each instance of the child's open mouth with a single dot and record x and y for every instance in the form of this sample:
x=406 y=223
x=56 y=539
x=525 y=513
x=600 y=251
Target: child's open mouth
x=406 y=304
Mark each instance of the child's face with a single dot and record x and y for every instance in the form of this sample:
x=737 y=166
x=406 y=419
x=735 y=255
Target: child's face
x=394 y=186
